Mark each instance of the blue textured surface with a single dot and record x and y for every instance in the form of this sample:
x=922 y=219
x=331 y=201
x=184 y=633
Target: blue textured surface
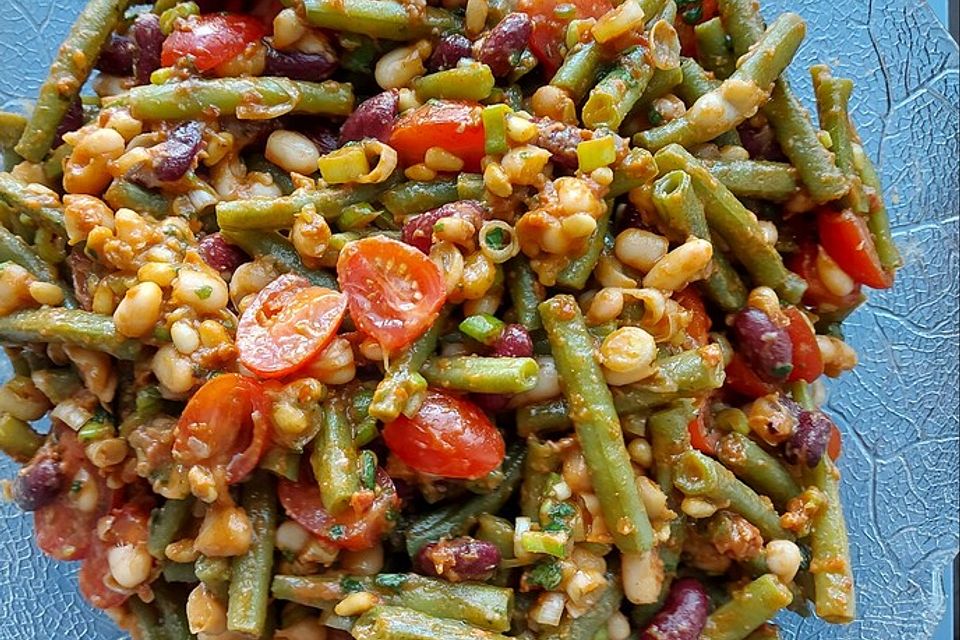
x=898 y=410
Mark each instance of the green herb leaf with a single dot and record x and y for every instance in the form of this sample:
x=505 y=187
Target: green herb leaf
x=548 y=575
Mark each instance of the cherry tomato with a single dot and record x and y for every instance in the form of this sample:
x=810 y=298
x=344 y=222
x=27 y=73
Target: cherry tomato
x=688 y=16
x=357 y=528
x=804 y=263
x=288 y=323
x=549 y=29
x=845 y=237
x=211 y=39
x=807 y=361
x=129 y=526
x=225 y=424
x=835 y=444
x=448 y=437
x=689 y=298
x=65 y=527
x=453 y=126
x=394 y=292
x=742 y=379
x=702 y=438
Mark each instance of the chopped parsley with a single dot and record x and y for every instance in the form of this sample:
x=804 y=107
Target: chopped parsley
x=495 y=238
x=548 y=575
x=392 y=581
x=351 y=585
x=204 y=292
x=337 y=532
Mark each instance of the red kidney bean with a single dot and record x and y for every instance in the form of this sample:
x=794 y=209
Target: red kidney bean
x=448 y=52
x=501 y=47
x=373 y=118
x=148 y=40
x=491 y=402
x=561 y=141
x=38 y=483
x=116 y=57
x=300 y=66
x=72 y=120
x=810 y=438
x=459 y=559
x=220 y=255
x=514 y=342
x=684 y=613
x=767 y=347
x=173 y=158
x=760 y=142
x=418 y=231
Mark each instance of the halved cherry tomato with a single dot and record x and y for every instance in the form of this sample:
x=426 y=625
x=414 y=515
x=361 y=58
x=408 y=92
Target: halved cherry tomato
x=701 y=437
x=449 y=437
x=689 y=298
x=803 y=262
x=288 y=323
x=211 y=39
x=359 y=527
x=225 y=424
x=65 y=527
x=807 y=361
x=688 y=16
x=742 y=379
x=549 y=29
x=129 y=525
x=394 y=291
x=845 y=237
x=453 y=126
x=835 y=444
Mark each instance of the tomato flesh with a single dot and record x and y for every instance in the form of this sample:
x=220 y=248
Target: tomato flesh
x=130 y=526
x=448 y=437
x=211 y=39
x=225 y=425
x=360 y=527
x=453 y=126
x=835 y=444
x=288 y=323
x=804 y=263
x=699 y=326
x=846 y=238
x=807 y=360
x=743 y=380
x=549 y=30
x=703 y=438
x=394 y=292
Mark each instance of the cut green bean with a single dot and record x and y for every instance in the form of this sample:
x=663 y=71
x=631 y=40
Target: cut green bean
x=614 y=96
x=35 y=201
x=126 y=194
x=757 y=179
x=749 y=608
x=11 y=128
x=697 y=475
x=757 y=468
x=878 y=221
x=526 y=292
x=179 y=572
x=579 y=70
x=17 y=439
x=334 y=458
x=278 y=250
x=543 y=459
x=68 y=326
x=576 y=273
x=470 y=81
x=662 y=83
x=696 y=83
x=250 y=572
x=597 y=424
x=669 y=436
x=398 y=623
x=147 y=619
x=715 y=49
x=408 y=198
x=833 y=97
x=14 y=249
x=478 y=374
x=387 y=19
x=166 y=523
x=69 y=71
x=171 y=604
x=213 y=572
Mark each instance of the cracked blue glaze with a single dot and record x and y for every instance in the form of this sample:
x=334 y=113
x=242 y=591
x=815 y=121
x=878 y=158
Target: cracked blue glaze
x=898 y=410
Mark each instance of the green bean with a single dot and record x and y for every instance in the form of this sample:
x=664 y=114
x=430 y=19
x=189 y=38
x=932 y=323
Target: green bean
x=830 y=563
x=615 y=94
x=172 y=609
x=278 y=250
x=398 y=623
x=17 y=439
x=669 y=436
x=166 y=523
x=147 y=619
x=742 y=21
x=636 y=170
x=387 y=19
x=53 y=165
x=11 y=128
x=597 y=424
x=472 y=81
x=478 y=374
x=697 y=475
x=35 y=201
x=696 y=83
x=408 y=198
x=749 y=608
x=678 y=205
x=259 y=163
x=149 y=403
x=481 y=605
x=735 y=223
x=663 y=82
x=714 y=48
x=738 y=97
x=250 y=572
x=334 y=458
x=757 y=179
x=246 y=98
x=68 y=73
x=178 y=572
x=757 y=468
x=456 y=519
x=498 y=531
x=403 y=387
x=213 y=572
x=593 y=620
x=526 y=292
x=68 y=326
x=576 y=273
x=833 y=97
x=878 y=221
x=543 y=458
x=123 y=193
x=579 y=70
x=14 y=249
x=544 y=417
x=281 y=462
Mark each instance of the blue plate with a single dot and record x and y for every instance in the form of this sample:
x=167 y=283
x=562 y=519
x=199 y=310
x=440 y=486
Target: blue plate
x=898 y=410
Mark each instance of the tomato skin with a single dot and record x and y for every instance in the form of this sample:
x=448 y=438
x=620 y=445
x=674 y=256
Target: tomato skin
x=699 y=327
x=804 y=263
x=129 y=525
x=357 y=528
x=211 y=39
x=453 y=126
x=688 y=39
x=742 y=379
x=288 y=323
x=449 y=437
x=219 y=415
x=549 y=31
x=394 y=292
x=845 y=237
x=702 y=438
x=835 y=444
x=807 y=360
